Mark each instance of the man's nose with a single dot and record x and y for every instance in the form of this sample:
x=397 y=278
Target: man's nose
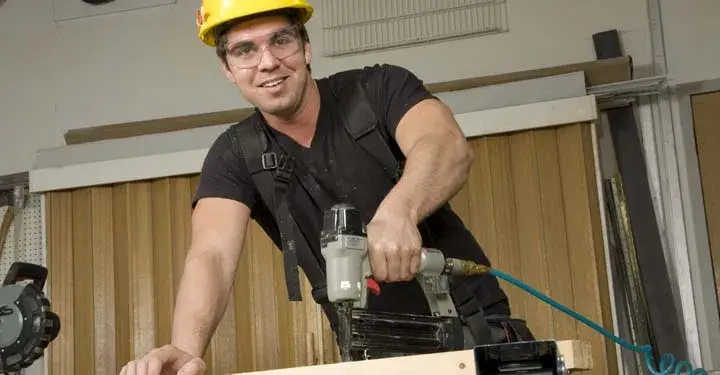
x=267 y=60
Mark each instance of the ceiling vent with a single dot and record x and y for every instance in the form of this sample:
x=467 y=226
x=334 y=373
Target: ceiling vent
x=97 y=2
x=72 y=9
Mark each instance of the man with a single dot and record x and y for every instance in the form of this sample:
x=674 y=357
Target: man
x=265 y=51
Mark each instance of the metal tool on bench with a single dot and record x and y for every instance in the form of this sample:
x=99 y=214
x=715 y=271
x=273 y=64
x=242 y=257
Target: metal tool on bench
x=27 y=324
x=526 y=358
x=362 y=333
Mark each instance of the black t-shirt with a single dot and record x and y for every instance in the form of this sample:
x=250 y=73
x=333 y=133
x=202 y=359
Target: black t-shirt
x=332 y=160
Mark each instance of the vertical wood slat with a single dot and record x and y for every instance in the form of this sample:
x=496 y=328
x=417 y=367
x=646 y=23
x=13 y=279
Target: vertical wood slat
x=530 y=200
x=162 y=255
x=61 y=353
x=121 y=223
x=103 y=280
x=141 y=269
x=560 y=284
x=83 y=281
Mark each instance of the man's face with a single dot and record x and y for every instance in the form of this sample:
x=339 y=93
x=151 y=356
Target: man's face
x=267 y=62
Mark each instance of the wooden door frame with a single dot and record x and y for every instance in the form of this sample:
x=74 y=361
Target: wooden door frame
x=701 y=277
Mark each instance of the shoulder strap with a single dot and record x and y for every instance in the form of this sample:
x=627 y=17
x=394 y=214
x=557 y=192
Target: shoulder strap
x=361 y=122
x=271 y=174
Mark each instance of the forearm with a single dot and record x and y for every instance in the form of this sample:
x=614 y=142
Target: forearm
x=200 y=303
x=435 y=170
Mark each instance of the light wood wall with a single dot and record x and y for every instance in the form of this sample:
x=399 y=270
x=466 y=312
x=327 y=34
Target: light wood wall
x=116 y=255
x=706 y=111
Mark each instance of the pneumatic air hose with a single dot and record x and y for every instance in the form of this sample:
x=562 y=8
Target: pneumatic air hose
x=667 y=361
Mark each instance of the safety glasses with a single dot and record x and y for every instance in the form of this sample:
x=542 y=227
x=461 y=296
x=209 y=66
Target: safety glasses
x=248 y=53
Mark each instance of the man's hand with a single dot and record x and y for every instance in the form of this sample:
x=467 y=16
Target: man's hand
x=394 y=246
x=167 y=360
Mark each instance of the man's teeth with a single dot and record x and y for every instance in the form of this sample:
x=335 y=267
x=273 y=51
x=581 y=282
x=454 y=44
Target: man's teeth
x=273 y=83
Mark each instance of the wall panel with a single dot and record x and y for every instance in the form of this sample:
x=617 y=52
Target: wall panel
x=116 y=254
x=706 y=111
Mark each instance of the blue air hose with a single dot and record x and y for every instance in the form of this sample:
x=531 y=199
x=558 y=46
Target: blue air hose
x=667 y=362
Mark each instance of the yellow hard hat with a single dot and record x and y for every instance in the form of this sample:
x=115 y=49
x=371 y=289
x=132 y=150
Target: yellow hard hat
x=213 y=13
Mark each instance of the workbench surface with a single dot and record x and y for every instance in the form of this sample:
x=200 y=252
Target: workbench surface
x=577 y=355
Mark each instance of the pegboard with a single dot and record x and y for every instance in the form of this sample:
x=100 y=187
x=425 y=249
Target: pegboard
x=31 y=245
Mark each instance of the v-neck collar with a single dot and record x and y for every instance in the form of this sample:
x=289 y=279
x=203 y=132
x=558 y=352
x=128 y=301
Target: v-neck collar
x=321 y=130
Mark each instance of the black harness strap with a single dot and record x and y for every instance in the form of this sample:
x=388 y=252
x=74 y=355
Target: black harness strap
x=361 y=122
x=260 y=161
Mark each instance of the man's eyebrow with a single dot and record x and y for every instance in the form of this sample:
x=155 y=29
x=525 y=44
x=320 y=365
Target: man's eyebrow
x=274 y=35
x=240 y=43
x=283 y=32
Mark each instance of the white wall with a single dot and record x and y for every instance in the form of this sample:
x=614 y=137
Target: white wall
x=148 y=63
x=692 y=39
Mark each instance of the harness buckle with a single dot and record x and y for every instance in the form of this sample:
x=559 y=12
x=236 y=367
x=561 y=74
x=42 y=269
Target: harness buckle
x=285 y=167
x=269 y=160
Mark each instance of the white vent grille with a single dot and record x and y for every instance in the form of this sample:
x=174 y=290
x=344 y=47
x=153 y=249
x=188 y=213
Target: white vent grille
x=31 y=245
x=64 y=10
x=352 y=26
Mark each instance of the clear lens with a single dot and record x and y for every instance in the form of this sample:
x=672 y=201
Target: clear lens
x=249 y=53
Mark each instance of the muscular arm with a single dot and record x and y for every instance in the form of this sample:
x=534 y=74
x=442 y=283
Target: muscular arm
x=437 y=165
x=218 y=230
x=221 y=214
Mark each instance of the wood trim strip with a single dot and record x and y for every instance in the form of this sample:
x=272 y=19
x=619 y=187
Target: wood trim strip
x=596 y=73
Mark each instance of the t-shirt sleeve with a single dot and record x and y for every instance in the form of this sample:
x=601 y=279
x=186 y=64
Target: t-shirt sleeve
x=393 y=91
x=224 y=174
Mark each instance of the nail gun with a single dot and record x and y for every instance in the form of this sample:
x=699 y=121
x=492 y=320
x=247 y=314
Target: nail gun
x=363 y=334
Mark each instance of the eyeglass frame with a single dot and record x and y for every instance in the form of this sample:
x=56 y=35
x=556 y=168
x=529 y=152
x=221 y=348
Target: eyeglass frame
x=292 y=30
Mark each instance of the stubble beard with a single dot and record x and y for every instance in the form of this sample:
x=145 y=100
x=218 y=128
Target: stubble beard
x=289 y=104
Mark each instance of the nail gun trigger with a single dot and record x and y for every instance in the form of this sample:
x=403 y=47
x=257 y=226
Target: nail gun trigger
x=373 y=286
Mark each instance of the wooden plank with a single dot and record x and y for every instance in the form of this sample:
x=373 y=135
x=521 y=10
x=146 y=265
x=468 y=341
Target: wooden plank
x=596 y=73
x=577 y=355
x=82 y=281
x=162 y=254
x=554 y=238
x=142 y=289
x=60 y=227
x=103 y=253
x=123 y=273
x=534 y=265
x=155 y=126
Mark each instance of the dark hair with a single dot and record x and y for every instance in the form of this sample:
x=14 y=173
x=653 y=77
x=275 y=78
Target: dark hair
x=294 y=17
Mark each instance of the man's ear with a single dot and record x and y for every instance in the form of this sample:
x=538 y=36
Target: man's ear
x=308 y=53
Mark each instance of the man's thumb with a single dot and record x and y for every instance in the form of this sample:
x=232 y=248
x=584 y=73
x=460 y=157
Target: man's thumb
x=194 y=367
